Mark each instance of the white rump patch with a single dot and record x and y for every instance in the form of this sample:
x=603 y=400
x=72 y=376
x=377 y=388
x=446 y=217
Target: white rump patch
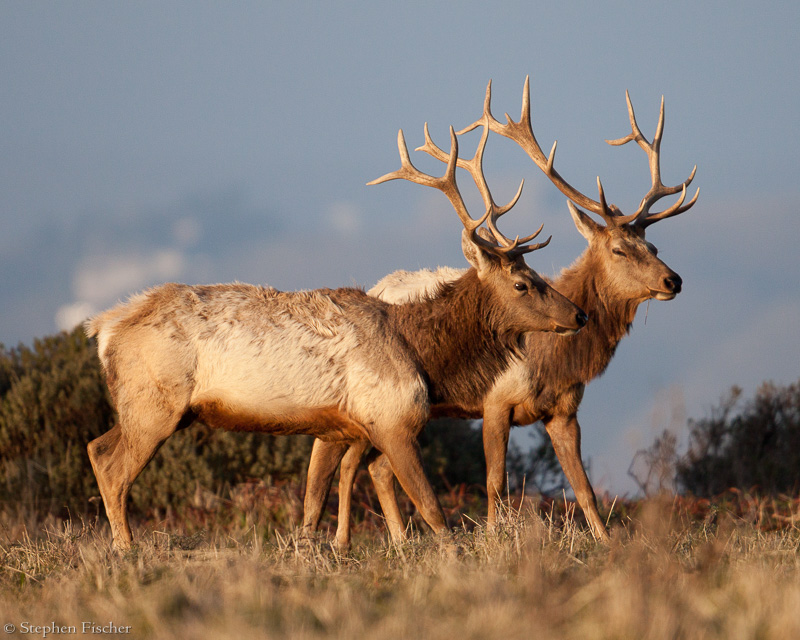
x=412 y=286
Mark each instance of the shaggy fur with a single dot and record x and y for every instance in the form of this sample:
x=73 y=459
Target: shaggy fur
x=466 y=342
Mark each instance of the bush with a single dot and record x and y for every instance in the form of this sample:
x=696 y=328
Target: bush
x=452 y=451
x=757 y=446
x=53 y=402
x=537 y=467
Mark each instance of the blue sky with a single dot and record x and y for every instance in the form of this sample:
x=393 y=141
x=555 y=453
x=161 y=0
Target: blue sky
x=207 y=142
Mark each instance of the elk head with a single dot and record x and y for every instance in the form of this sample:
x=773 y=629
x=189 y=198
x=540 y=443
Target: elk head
x=527 y=301
x=617 y=248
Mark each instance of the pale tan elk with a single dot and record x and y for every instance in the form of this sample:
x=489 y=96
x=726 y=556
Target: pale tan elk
x=338 y=364
x=618 y=271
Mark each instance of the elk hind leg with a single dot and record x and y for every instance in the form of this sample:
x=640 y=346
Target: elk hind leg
x=325 y=458
x=405 y=458
x=380 y=470
x=118 y=457
x=347 y=476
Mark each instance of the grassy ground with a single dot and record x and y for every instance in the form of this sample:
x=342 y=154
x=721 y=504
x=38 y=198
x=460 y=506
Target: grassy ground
x=673 y=570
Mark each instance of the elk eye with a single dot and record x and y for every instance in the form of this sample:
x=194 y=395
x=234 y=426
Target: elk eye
x=618 y=252
x=520 y=286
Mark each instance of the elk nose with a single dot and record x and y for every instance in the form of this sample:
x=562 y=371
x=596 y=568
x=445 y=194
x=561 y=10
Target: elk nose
x=673 y=283
x=581 y=319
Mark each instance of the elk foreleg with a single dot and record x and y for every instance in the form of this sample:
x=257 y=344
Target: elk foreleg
x=496 y=427
x=325 y=458
x=565 y=433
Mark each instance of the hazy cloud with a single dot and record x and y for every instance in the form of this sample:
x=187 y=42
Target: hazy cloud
x=187 y=231
x=105 y=277
x=70 y=315
x=101 y=280
x=344 y=218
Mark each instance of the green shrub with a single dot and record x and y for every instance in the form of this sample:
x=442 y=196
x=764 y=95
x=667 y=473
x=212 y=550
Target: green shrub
x=755 y=444
x=452 y=451
x=53 y=402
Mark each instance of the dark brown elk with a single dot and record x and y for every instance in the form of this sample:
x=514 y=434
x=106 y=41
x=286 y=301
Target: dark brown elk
x=618 y=271
x=338 y=364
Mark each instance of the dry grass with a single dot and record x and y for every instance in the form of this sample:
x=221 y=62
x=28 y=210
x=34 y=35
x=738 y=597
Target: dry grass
x=665 y=575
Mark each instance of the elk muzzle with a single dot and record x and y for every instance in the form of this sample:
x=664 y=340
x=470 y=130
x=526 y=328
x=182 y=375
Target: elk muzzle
x=580 y=321
x=671 y=287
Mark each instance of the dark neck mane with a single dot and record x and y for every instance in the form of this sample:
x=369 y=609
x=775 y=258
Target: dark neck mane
x=458 y=339
x=584 y=356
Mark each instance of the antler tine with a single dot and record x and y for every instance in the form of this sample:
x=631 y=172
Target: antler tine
x=474 y=166
x=433 y=150
x=408 y=171
x=521 y=132
x=611 y=214
x=487 y=113
x=520 y=246
x=446 y=184
x=659 y=126
x=636 y=132
x=516 y=246
x=642 y=216
x=674 y=210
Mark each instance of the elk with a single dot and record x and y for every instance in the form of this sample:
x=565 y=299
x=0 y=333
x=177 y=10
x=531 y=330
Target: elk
x=337 y=364
x=616 y=273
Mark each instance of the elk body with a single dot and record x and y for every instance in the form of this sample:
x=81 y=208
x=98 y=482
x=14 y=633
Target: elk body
x=618 y=271
x=337 y=364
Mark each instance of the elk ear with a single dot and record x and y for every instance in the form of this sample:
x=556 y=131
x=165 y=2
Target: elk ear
x=476 y=255
x=587 y=227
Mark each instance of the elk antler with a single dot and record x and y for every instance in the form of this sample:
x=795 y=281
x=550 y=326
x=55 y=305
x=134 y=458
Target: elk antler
x=505 y=248
x=474 y=165
x=521 y=132
x=642 y=217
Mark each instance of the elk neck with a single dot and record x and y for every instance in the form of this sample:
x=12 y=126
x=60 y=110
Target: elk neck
x=584 y=356
x=459 y=339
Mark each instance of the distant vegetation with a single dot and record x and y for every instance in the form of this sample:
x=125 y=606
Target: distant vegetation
x=52 y=402
x=744 y=444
